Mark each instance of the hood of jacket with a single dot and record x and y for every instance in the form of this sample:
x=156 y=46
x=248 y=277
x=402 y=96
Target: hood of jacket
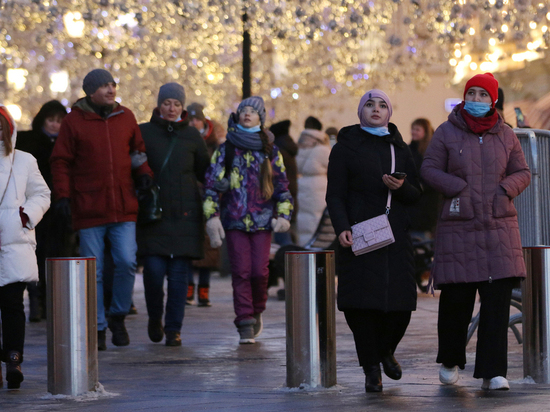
x=312 y=137
x=82 y=104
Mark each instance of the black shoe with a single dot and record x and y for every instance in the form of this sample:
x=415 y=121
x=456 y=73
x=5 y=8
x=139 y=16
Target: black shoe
x=373 y=378
x=133 y=310
x=155 y=330
x=392 y=369
x=173 y=338
x=120 y=334
x=14 y=376
x=101 y=340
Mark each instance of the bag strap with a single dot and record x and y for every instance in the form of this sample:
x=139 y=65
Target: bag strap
x=170 y=150
x=9 y=177
x=388 y=203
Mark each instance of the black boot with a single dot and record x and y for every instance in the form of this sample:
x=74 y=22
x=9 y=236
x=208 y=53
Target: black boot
x=14 y=376
x=155 y=330
x=392 y=369
x=173 y=338
x=373 y=378
x=120 y=334
x=101 y=340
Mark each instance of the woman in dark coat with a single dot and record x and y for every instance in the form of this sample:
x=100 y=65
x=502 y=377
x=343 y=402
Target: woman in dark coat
x=169 y=245
x=52 y=233
x=376 y=290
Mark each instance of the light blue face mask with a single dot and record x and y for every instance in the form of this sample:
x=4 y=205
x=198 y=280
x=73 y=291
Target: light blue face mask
x=377 y=131
x=254 y=129
x=477 y=109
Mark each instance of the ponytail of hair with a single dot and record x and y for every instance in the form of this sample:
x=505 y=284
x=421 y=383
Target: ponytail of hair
x=266 y=171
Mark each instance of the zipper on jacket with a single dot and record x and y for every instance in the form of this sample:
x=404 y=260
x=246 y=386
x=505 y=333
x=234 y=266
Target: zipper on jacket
x=112 y=169
x=480 y=139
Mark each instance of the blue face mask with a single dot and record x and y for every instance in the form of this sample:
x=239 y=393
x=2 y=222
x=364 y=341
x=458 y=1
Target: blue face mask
x=377 y=131
x=477 y=109
x=254 y=129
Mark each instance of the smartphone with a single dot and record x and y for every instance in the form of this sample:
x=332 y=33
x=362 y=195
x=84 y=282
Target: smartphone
x=520 y=118
x=399 y=175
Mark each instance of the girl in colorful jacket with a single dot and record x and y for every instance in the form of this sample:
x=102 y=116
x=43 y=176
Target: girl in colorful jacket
x=249 y=204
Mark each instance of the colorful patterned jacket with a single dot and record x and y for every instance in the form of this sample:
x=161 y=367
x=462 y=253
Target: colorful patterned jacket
x=242 y=206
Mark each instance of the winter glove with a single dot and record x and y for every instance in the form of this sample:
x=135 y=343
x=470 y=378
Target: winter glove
x=24 y=217
x=63 y=208
x=144 y=182
x=215 y=231
x=280 y=225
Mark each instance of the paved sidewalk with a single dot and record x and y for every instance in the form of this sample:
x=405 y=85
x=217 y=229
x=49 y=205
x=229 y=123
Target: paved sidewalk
x=212 y=372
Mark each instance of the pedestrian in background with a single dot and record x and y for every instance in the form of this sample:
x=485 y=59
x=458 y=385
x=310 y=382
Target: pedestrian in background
x=178 y=157
x=213 y=134
x=288 y=149
x=24 y=199
x=247 y=196
x=53 y=232
x=424 y=212
x=97 y=154
x=376 y=290
x=476 y=162
x=312 y=161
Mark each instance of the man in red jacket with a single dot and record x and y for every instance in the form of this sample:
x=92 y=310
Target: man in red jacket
x=98 y=154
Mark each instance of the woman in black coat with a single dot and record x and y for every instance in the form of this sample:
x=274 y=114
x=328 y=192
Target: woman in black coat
x=376 y=290
x=178 y=156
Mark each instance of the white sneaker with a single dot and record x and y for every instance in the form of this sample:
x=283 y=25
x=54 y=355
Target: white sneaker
x=498 y=383
x=448 y=376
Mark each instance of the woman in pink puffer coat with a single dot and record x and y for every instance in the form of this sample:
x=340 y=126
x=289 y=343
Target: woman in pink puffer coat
x=476 y=162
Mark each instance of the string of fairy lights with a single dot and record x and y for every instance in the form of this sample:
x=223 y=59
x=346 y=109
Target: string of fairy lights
x=300 y=48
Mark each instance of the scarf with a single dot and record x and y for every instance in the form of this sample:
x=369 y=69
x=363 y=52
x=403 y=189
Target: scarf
x=241 y=138
x=479 y=125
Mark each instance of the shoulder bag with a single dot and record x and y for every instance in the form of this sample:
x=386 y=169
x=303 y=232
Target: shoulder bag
x=374 y=233
x=150 y=210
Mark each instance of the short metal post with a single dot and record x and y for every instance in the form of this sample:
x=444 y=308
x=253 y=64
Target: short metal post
x=72 y=325
x=535 y=301
x=310 y=319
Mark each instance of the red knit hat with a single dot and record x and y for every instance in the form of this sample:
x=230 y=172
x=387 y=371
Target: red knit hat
x=486 y=81
x=4 y=112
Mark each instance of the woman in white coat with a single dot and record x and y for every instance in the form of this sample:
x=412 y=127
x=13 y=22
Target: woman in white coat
x=312 y=161
x=24 y=198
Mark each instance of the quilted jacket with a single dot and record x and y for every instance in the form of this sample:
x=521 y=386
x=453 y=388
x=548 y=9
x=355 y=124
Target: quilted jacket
x=24 y=187
x=477 y=235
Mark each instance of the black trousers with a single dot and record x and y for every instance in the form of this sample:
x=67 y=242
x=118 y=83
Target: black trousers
x=376 y=333
x=13 y=319
x=456 y=304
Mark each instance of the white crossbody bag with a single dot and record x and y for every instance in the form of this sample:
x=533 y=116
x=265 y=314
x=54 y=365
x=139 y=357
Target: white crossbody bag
x=375 y=233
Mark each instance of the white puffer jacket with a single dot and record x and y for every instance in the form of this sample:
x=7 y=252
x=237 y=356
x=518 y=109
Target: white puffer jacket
x=312 y=165
x=26 y=188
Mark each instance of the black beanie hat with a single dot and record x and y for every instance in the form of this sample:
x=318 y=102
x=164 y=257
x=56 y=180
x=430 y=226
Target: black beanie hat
x=313 y=123
x=280 y=128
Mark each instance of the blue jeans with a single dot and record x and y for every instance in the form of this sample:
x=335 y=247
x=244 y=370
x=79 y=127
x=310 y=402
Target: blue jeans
x=177 y=270
x=123 y=250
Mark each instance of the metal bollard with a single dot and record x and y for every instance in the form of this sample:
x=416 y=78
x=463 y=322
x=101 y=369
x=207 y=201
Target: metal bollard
x=72 y=325
x=535 y=301
x=310 y=319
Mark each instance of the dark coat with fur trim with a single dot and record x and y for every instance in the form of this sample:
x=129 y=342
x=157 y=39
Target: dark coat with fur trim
x=382 y=279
